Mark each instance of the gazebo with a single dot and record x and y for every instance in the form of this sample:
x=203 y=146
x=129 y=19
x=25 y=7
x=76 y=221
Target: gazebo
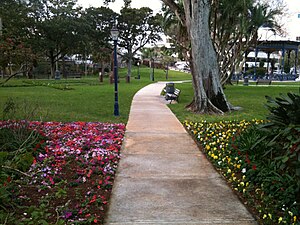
x=286 y=47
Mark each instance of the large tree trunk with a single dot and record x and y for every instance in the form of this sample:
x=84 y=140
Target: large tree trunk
x=208 y=92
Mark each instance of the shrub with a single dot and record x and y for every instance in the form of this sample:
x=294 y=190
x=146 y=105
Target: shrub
x=274 y=149
x=260 y=160
x=19 y=145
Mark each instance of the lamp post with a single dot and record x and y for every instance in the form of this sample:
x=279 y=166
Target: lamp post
x=139 y=76
x=114 y=34
x=152 y=64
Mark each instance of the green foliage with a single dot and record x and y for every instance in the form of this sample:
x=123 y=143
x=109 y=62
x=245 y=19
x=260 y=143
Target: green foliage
x=274 y=155
x=36 y=215
x=260 y=71
x=18 y=147
x=274 y=149
x=241 y=151
x=284 y=110
x=137 y=27
x=262 y=162
x=15 y=110
x=59 y=86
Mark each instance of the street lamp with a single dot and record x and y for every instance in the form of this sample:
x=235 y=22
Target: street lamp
x=152 y=77
x=138 y=64
x=114 y=34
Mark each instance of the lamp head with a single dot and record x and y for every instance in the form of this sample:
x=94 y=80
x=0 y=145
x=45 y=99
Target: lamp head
x=114 y=33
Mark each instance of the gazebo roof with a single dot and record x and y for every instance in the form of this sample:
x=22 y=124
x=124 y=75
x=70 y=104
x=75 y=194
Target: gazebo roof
x=272 y=46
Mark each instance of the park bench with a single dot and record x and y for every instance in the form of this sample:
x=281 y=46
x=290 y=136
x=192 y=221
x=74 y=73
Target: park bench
x=74 y=75
x=172 y=96
x=263 y=81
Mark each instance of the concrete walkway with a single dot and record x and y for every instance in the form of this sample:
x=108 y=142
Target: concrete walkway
x=163 y=178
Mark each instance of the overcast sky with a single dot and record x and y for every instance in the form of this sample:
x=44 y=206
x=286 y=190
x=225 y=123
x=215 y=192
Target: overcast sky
x=292 y=23
x=155 y=5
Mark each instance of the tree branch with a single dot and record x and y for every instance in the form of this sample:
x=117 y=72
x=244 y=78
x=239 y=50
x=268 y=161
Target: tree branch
x=19 y=171
x=176 y=9
x=13 y=75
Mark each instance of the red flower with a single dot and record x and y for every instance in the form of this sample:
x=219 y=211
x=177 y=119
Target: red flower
x=254 y=167
x=293 y=148
x=247 y=160
x=93 y=199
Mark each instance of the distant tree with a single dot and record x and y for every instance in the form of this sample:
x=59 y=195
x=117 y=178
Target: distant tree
x=234 y=28
x=56 y=28
x=147 y=52
x=15 y=53
x=137 y=27
x=166 y=58
x=13 y=14
x=99 y=23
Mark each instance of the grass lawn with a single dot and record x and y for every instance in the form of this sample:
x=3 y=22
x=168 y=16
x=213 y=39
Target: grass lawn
x=88 y=100
x=250 y=98
x=76 y=99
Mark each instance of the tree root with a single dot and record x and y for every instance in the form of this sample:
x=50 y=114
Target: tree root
x=205 y=108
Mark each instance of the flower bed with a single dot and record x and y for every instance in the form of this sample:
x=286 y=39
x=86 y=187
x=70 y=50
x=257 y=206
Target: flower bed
x=71 y=176
x=231 y=146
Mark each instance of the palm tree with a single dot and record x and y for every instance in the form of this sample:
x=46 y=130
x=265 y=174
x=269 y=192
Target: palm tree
x=176 y=31
x=234 y=25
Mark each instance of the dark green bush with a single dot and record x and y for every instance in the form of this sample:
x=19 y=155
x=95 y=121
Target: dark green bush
x=18 y=147
x=272 y=155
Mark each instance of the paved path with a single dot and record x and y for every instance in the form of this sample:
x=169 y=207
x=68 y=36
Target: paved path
x=163 y=178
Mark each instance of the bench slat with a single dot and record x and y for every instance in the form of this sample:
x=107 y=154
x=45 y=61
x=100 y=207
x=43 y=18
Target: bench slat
x=173 y=96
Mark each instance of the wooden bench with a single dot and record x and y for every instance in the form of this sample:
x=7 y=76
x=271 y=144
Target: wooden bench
x=263 y=81
x=74 y=75
x=172 y=96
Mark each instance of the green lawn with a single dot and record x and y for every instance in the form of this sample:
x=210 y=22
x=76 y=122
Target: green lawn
x=88 y=100
x=250 y=98
x=84 y=100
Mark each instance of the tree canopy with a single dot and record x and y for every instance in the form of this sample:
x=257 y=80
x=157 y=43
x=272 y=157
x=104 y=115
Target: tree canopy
x=138 y=27
x=52 y=29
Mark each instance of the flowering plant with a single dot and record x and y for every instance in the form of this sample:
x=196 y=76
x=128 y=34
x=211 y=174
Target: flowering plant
x=240 y=151
x=71 y=173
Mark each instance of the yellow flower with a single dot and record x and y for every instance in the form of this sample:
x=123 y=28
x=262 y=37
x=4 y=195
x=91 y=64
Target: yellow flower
x=229 y=171
x=264 y=216
x=295 y=218
x=207 y=147
x=269 y=214
x=291 y=214
x=280 y=220
x=238 y=166
x=242 y=184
